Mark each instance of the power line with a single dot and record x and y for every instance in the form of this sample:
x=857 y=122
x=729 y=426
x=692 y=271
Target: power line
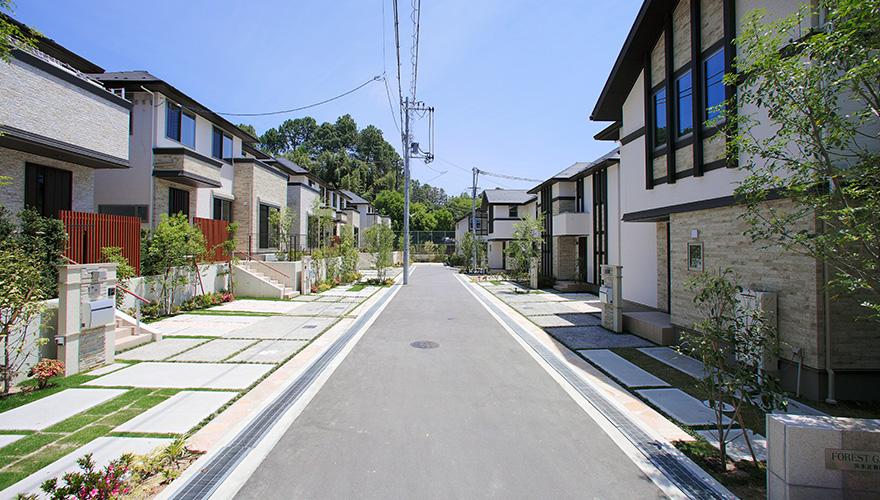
x=325 y=101
x=397 y=50
x=416 y=16
x=511 y=177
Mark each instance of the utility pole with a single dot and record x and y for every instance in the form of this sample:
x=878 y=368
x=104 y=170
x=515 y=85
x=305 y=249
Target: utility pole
x=411 y=150
x=406 y=151
x=476 y=172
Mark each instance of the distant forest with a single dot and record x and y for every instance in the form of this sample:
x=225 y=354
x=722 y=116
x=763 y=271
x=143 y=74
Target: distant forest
x=362 y=161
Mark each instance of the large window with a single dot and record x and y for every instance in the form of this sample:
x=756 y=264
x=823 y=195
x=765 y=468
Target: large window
x=713 y=69
x=178 y=202
x=268 y=237
x=684 y=105
x=47 y=190
x=127 y=210
x=660 y=118
x=180 y=125
x=222 y=209
x=221 y=144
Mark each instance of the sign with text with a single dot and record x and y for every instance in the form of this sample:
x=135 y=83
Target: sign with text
x=852 y=460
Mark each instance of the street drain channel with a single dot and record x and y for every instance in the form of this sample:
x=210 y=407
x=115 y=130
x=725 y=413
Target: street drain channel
x=424 y=344
x=693 y=482
x=206 y=481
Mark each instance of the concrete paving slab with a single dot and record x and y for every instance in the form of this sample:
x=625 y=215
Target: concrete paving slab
x=104 y=370
x=157 y=351
x=203 y=330
x=179 y=413
x=594 y=337
x=52 y=409
x=352 y=299
x=681 y=406
x=539 y=308
x=250 y=305
x=269 y=351
x=184 y=375
x=284 y=327
x=560 y=320
x=215 y=350
x=215 y=318
x=582 y=296
x=512 y=297
x=103 y=450
x=305 y=298
x=627 y=373
x=324 y=309
x=677 y=360
x=329 y=298
x=737 y=449
x=7 y=439
x=584 y=307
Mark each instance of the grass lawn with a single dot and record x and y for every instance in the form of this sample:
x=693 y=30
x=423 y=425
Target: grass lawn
x=39 y=449
x=357 y=287
x=25 y=397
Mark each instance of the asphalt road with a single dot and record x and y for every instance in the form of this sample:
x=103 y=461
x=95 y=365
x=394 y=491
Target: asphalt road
x=475 y=417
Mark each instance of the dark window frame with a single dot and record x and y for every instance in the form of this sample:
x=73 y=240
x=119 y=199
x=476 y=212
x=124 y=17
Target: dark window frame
x=140 y=211
x=706 y=105
x=224 y=207
x=174 y=131
x=48 y=189
x=684 y=95
x=659 y=134
x=513 y=211
x=174 y=196
x=223 y=154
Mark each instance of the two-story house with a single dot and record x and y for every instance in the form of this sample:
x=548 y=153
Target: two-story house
x=59 y=127
x=677 y=210
x=574 y=205
x=504 y=208
x=181 y=154
x=366 y=212
x=463 y=226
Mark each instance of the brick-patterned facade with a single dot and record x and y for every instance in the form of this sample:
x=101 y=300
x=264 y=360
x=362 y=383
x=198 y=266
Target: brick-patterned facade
x=662 y=276
x=12 y=165
x=255 y=184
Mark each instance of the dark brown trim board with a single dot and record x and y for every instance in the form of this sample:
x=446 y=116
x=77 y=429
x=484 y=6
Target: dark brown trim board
x=729 y=35
x=185 y=178
x=671 y=99
x=628 y=138
x=649 y=124
x=28 y=142
x=697 y=87
x=609 y=133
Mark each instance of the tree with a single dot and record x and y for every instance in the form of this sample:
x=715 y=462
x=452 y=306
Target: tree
x=281 y=224
x=44 y=238
x=21 y=301
x=320 y=224
x=524 y=248
x=390 y=203
x=248 y=129
x=445 y=220
x=468 y=242
x=348 y=251
x=459 y=205
x=732 y=341
x=124 y=270
x=821 y=93
x=380 y=242
x=12 y=33
x=170 y=251
x=421 y=217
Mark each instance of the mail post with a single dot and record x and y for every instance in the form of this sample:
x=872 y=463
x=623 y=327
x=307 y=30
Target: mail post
x=86 y=316
x=611 y=297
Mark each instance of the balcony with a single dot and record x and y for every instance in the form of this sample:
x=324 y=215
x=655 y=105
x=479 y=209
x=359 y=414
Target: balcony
x=187 y=167
x=572 y=224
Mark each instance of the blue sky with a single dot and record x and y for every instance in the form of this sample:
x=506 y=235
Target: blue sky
x=512 y=81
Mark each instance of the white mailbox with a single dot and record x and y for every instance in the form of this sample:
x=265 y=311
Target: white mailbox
x=98 y=313
x=605 y=294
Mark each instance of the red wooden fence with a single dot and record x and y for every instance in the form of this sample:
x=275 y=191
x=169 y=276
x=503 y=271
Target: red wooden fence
x=88 y=233
x=215 y=232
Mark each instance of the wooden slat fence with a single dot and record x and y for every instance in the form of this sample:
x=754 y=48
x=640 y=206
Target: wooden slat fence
x=88 y=233
x=215 y=232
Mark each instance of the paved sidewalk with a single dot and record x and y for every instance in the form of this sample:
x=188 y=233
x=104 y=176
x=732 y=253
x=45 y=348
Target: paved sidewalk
x=475 y=416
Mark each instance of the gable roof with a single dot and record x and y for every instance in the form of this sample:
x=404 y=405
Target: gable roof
x=134 y=80
x=507 y=196
x=580 y=169
x=356 y=199
x=642 y=36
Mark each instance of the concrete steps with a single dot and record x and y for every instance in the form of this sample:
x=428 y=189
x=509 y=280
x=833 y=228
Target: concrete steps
x=126 y=338
x=651 y=325
x=266 y=286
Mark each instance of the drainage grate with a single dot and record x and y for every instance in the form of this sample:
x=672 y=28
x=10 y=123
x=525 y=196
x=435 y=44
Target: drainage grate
x=425 y=344
x=206 y=480
x=671 y=462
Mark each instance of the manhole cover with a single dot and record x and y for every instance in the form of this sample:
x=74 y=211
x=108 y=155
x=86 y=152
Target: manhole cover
x=424 y=344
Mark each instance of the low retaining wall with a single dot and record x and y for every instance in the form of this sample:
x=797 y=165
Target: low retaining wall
x=214 y=279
